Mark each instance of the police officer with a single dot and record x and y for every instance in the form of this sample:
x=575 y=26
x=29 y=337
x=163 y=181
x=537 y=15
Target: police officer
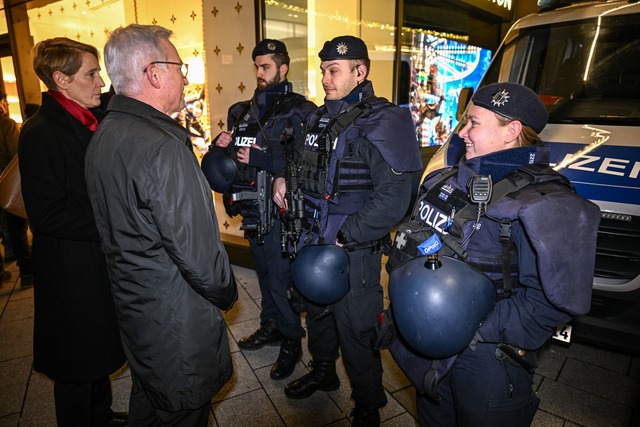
x=358 y=154
x=528 y=243
x=255 y=129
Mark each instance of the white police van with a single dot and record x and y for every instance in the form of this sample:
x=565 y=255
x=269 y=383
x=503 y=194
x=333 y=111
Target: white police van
x=583 y=60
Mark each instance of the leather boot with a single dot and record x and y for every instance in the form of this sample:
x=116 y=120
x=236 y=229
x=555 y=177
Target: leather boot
x=290 y=355
x=364 y=416
x=267 y=334
x=322 y=377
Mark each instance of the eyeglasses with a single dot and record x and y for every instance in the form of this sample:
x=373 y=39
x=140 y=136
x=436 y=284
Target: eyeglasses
x=184 y=68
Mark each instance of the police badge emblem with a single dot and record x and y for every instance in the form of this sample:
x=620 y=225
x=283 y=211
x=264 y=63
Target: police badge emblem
x=500 y=98
x=342 y=48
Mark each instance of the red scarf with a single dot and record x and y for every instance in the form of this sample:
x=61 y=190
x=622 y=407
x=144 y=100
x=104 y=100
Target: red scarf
x=85 y=116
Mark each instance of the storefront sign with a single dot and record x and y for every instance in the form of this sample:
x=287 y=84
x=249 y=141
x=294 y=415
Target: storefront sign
x=501 y=8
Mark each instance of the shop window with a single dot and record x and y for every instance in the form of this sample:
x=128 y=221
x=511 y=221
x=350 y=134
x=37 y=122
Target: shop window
x=91 y=21
x=304 y=25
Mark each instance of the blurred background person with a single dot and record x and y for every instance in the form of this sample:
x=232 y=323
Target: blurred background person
x=14 y=228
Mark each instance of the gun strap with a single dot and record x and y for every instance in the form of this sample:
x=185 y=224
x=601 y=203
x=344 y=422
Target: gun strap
x=346 y=118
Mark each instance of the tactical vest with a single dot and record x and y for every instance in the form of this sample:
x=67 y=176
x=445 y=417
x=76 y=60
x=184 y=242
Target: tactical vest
x=447 y=211
x=330 y=165
x=265 y=133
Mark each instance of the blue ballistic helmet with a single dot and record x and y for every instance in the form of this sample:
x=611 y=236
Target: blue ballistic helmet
x=321 y=273
x=219 y=169
x=439 y=304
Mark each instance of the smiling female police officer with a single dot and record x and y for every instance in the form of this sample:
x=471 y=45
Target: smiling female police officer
x=537 y=244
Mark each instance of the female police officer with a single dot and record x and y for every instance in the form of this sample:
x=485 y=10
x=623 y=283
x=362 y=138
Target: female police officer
x=536 y=244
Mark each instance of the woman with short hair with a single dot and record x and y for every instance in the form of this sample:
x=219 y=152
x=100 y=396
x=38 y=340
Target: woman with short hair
x=76 y=334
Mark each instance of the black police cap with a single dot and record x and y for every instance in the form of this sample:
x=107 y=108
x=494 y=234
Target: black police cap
x=268 y=47
x=513 y=101
x=344 y=47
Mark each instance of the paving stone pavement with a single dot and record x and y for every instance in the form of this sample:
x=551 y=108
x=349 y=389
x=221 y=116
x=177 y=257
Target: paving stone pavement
x=578 y=386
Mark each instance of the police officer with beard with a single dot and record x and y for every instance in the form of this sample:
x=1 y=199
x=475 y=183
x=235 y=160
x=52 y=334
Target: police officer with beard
x=255 y=129
x=358 y=156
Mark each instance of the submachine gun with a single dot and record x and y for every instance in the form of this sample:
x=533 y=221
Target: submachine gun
x=262 y=196
x=293 y=216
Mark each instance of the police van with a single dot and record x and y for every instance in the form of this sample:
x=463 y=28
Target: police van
x=583 y=59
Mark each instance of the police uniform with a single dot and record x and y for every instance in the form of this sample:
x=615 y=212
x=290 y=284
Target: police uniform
x=357 y=186
x=261 y=121
x=546 y=286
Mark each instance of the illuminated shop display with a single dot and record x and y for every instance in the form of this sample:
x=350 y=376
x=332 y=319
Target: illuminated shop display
x=440 y=68
x=90 y=21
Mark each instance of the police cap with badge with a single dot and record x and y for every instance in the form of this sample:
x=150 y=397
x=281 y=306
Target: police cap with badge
x=269 y=47
x=513 y=101
x=344 y=47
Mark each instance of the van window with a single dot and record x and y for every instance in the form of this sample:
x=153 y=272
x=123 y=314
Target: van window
x=584 y=71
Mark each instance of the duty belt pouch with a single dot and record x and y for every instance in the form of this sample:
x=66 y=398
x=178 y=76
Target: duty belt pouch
x=384 y=330
x=405 y=243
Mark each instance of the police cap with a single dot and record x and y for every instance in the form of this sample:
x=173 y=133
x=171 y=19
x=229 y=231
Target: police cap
x=513 y=101
x=268 y=47
x=344 y=47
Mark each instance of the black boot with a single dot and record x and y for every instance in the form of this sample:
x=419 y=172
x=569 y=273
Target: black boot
x=364 y=416
x=290 y=354
x=322 y=377
x=267 y=333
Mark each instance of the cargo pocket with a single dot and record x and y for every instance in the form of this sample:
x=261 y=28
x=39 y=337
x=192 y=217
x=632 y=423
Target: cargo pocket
x=517 y=412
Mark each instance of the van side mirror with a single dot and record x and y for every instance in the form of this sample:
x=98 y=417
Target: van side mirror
x=463 y=101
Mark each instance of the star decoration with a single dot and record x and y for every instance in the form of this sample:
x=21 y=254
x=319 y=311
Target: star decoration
x=237 y=7
x=61 y=9
x=173 y=19
x=39 y=15
x=240 y=48
x=195 y=53
x=91 y=34
x=342 y=48
x=225 y=224
x=500 y=98
x=216 y=50
x=78 y=36
x=88 y=3
x=50 y=12
x=242 y=87
x=215 y=11
x=106 y=31
x=193 y=15
x=219 y=88
x=154 y=22
x=74 y=6
x=221 y=124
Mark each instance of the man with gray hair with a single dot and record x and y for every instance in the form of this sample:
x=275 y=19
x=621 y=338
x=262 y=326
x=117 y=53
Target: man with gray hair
x=169 y=271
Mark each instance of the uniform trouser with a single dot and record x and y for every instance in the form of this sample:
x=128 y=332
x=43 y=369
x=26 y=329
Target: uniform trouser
x=143 y=414
x=350 y=325
x=273 y=268
x=83 y=404
x=481 y=391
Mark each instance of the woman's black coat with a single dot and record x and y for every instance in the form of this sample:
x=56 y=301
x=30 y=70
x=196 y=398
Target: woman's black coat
x=76 y=334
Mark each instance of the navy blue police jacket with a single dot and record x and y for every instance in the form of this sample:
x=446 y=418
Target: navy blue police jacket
x=554 y=233
x=379 y=151
x=261 y=121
